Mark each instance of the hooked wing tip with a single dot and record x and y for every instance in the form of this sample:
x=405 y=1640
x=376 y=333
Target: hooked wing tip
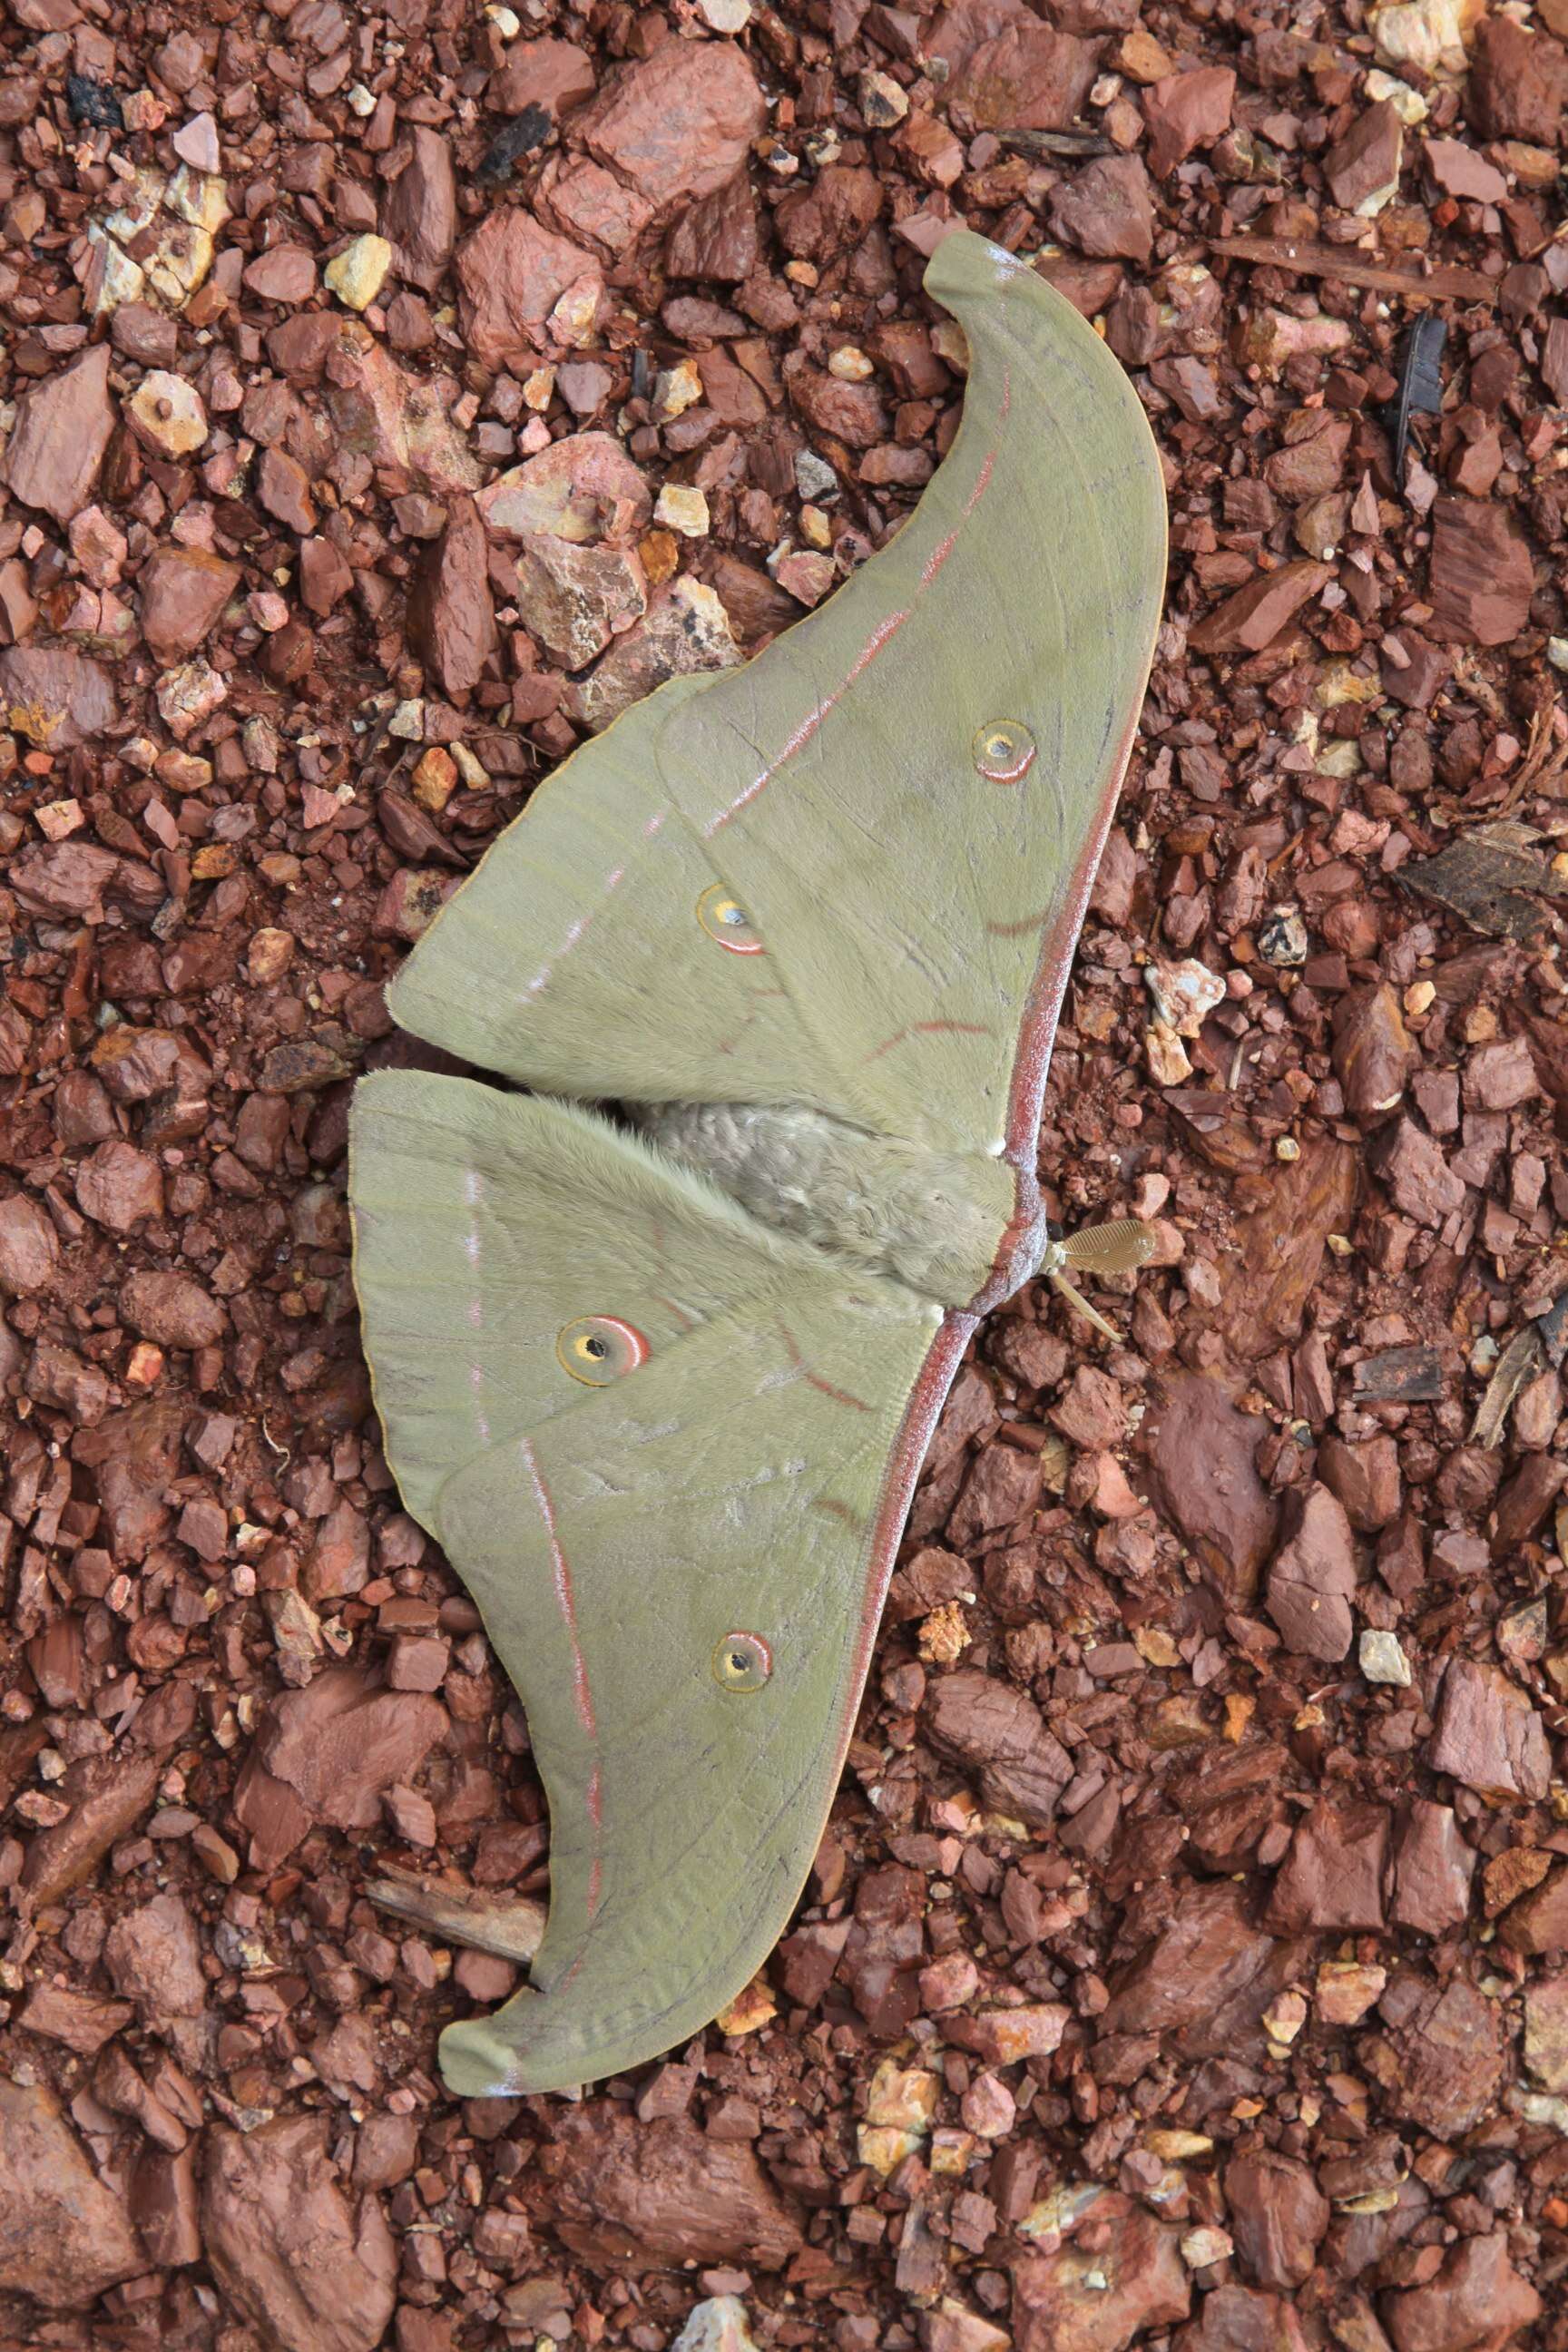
x=477 y=2063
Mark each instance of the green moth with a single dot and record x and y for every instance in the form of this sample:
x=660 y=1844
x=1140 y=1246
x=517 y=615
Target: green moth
x=659 y=1380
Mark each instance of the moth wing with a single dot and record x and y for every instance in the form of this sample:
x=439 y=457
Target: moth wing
x=907 y=799
x=748 y=1480
x=724 y=1518
x=486 y=1225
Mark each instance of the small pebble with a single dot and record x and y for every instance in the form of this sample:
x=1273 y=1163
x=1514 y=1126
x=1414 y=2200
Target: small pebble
x=684 y=508
x=1382 y=1660
x=357 y=275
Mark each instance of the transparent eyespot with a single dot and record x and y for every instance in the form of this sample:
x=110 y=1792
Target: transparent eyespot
x=741 y=1662
x=1003 y=750
x=724 y=918
x=599 y=1349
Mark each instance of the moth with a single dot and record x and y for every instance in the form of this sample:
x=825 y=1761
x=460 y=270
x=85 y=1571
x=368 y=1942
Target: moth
x=658 y=1344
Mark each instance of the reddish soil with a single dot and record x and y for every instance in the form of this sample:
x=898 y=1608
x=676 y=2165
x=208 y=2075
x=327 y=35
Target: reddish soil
x=1187 y=1960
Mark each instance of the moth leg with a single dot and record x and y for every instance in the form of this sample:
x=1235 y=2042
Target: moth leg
x=1119 y=1248
x=1090 y=1314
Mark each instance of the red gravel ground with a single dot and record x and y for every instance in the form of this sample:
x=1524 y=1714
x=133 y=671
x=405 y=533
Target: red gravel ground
x=1187 y=1961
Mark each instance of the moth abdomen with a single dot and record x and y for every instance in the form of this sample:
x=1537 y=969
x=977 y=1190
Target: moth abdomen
x=934 y=1221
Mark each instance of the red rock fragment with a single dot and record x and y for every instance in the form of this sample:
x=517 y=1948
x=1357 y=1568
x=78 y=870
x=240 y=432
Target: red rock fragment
x=929 y=150
x=1364 y=1476
x=1002 y=2037
x=985 y=1723
x=1362 y=168
x=512 y=272
x=1517 y=83
x=1476 y=2302
x=307 y=2263
x=163 y=2205
x=623 y=2191
x=285 y=273
x=553 y=74
x=575 y=599
x=283 y=487
x=419 y=219
x=684 y=630
x=1001 y=1490
x=1204 y=1479
x=1278 y=2217
x=1333 y=1875
x=117 y=1185
x=1459 y=171
x=1312 y=1579
x=1205 y=1979
x=451 y=616
x=83 y=2021
x=1418 y=1178
x=1372 y=1050
x=1554 y=361
x=1235 y=2319
x=851 y=413
x=397 y=420
x=171 y=1308
x=325 y=578
x=678 y=123
x=62 y=429
x=1107 y=209
x=1488 y=1734
x=65 y=2237
x=28 y=1248
x=1254 y=616
x=715 y=240
x=55 y=697
x=1482 y=577
x=154 y=1956
x=1431 y=1869
x=1028 y=76
x=1439 y=2061
x=1079 y=2300
x=327 y=1753
x=1186 y=111
x=808 y=1959
x=830 y=217
x=584 y=489
x=1529 y=1495
x=107 y=1795
x=588 y=202
x=1500 y=1076
x=183 y=592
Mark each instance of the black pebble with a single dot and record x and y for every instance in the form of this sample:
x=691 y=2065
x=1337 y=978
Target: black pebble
x=520 y=136
x=93 y=103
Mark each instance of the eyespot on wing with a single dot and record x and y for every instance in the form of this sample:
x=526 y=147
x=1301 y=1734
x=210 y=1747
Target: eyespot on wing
x=725 y=921
x=741 y=1662
x=599 y=1349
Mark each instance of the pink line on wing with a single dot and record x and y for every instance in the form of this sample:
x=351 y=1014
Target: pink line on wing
x=594 y=1795
x=879 y=636
x=939 y=555
x=930 y=1029
x=798 y=1362
x=596 y=1815
x=613 y=881
x=562 y=1576
x=474 y=1189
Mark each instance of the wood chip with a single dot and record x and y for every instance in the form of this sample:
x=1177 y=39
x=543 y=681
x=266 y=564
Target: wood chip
x=1451 y=284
